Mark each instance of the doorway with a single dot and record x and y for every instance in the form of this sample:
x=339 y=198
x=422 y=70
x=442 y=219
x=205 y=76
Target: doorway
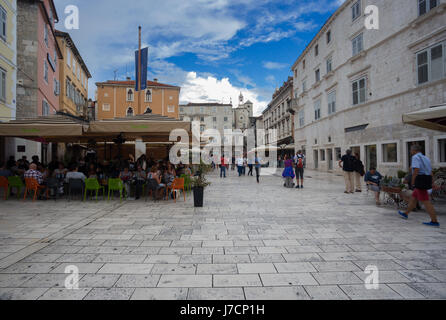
x=371 y=160
x=330 y=159
x=316 y=159
x=422 y=144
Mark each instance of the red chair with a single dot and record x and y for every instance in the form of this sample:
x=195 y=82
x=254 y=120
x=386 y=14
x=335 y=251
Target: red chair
x=5 y=185
x=177 y=184
x=32 y=185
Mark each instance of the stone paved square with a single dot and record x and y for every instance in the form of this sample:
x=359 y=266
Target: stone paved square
x=266 y=243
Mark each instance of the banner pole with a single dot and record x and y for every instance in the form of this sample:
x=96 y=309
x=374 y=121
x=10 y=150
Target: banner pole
x=139 y=73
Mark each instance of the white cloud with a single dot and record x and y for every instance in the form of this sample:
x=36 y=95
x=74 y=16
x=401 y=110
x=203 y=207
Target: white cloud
x=210 y=89
x=274 y=65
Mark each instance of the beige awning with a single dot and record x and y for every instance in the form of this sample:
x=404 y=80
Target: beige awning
x=46 y=128
x=431 y=118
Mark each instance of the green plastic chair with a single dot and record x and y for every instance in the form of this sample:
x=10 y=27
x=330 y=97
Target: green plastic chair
x=92 y=184
x=187 y=182
x=115 y=185
x=15 y=182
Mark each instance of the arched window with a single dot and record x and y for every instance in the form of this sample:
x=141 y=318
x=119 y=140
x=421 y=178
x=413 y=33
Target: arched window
x=149 y=95
x=129 y=95
x=148 y=110
x=129 y=112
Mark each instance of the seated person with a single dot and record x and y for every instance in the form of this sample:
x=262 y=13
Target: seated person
x=75 y=174
x=33 y=173
x=155 y=175
x=4 y=172
x=373 y=180
x=60 y=174
x=187 y=170
x=126 y=177
x=92 y=174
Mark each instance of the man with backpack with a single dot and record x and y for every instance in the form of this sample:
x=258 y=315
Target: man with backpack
x=299 y=161
x=347 y=163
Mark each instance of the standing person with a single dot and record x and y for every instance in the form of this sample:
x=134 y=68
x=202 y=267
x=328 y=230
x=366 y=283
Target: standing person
x=288 y=173
x=299 y=161
x=347 y=163
x=233 y=163
x=222 y=167
x=245 y=163
x=422 y=180
x=359 y=172
x=140 y=179
x=239 y=162
x=258 y=165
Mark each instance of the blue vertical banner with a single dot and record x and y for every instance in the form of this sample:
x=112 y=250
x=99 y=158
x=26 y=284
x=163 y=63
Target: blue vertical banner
x=144 y=66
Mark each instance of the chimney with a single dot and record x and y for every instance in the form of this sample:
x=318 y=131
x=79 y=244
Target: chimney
x=155 y=80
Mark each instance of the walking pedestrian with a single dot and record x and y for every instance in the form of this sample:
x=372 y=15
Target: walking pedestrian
x=422 y=180
x=347 y=163
x=258 y=165
x=288 y=173
x=299 y=161
x=250 y=165
x=239 y=162
x=359 y=172
x=222 y=167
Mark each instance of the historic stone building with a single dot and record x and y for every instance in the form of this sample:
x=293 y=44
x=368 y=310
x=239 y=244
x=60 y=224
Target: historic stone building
x=277 y=117
x=210 y=115
x=242 y=114
x=352 y=84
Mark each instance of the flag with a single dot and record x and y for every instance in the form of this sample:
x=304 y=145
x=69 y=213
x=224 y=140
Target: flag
x=144 y=65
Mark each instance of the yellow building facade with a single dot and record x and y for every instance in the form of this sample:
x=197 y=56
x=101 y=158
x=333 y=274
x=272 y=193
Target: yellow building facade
x=8 y=59
x=73 y=77
x=118 y=99
x=8 y=69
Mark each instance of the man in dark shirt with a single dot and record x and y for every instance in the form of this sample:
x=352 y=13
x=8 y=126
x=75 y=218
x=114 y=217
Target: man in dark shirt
x=347 y=163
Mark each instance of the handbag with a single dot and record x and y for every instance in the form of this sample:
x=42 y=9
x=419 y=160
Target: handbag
x=423 y=182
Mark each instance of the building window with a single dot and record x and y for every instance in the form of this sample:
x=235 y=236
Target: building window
x=317 y=110
x=202 y=128
x=425 y=6
x=329 y=64
x=301 y=118
x=431 y=63
x=3 y=23
x=316 y=50
x=45 y=108
x=45 y=71
x=106 y=107
x=357 y=44
x=317 y=74
x=328 y=36
x=303 y=64
x=129 y=95
x=226 y=119
x=129 y=112
x=331 y=97
x=338 y=154
x=106 y=95
x=55 y=58
x=442 y=150
x=202 y=119
x=215 y=119
x=149 y=95
x=356 y=10
x=68 y=57
x=322 y=155
x=181 y=110
x=56 y=87
x=390 y=153
x=3 y=85
x=359 y=91
x=170 y=109
x=45 y=35
x=304 y=86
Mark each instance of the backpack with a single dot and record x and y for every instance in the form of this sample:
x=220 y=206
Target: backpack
x=300 y=162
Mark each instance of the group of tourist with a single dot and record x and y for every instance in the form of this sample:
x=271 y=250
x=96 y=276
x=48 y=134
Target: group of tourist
x=294 y=168
x=419 y=182
x=130 y=172
x=242 y=163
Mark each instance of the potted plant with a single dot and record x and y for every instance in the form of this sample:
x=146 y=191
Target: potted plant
x=198 y=183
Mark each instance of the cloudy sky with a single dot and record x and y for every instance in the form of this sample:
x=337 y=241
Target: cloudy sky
x=213 y=49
